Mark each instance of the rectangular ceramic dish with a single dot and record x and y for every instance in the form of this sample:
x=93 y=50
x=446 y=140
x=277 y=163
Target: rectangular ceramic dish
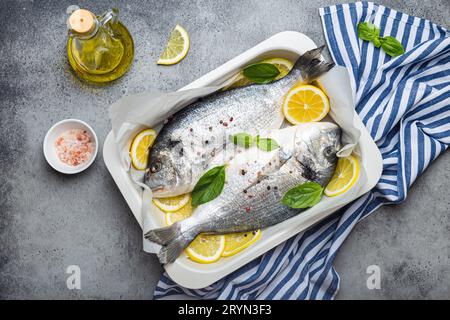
x=193 y=275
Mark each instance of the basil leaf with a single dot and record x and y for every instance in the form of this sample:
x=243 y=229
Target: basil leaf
x=377 y=32
x=367 y=31
x=377 y=42
x=209 y=186
x=392 y=46
x=303 y=196
x=266 y=144
x=242 y=139
x=261 y=72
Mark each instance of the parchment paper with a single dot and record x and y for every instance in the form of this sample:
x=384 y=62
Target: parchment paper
x=131 y=114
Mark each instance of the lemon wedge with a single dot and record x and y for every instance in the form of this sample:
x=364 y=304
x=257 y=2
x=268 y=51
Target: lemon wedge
x=345 y=176
x=173 y=203
x=206 y=248
x=177 y=47
x=305 y=103
x=236 y=242
x=180 y=214
x=140 y=148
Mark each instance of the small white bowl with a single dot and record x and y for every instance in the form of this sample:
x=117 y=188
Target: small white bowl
x=50 y=151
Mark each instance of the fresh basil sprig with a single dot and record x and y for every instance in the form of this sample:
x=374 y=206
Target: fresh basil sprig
x=246 y=140
x=261 y=73
x=209 y=186
x=303 y=196
x=390 y=45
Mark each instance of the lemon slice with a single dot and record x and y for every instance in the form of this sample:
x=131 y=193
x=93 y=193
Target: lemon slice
x=177 y=47
x=345 y=176
x=283 y=65
x=206 y=248
x=173 y=203
x=180 y=214
x=236 y=242
x=305 y=103
x=140 y=148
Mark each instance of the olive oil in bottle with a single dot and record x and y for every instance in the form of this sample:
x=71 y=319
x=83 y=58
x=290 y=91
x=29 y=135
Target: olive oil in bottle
x=99 y=49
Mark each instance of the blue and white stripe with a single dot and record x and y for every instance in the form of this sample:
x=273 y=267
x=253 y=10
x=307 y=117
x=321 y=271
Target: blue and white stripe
x=404 y=103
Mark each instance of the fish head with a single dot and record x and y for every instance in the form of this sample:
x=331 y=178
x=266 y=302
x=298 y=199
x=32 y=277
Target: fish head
x=168 y=170
x=317 y=145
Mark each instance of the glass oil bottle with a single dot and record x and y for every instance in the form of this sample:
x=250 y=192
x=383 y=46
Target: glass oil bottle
x=100 y=49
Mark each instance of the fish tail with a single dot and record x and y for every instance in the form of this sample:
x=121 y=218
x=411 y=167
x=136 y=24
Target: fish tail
x=312 y=66
x=163 y=235
x=173 y=241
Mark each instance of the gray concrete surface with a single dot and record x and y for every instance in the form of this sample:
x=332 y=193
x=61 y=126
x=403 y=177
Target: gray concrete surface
x=49 y=221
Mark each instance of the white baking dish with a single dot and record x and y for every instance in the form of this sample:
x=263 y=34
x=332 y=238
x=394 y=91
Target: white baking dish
x=189 y=274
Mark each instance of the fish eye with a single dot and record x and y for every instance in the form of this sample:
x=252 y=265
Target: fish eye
x=156 y=166
x=328 y=151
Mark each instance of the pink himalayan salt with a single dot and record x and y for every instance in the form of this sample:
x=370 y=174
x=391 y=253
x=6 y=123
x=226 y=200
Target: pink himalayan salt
x=74 y=147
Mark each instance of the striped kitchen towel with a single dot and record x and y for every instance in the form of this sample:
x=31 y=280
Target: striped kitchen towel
x=404 y=103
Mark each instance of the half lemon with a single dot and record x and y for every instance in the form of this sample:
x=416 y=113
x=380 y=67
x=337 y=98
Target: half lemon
x=177 y=47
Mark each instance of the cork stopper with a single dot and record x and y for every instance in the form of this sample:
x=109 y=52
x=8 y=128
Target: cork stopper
x=81 y=21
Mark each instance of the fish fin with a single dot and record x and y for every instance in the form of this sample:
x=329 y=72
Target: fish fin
x=170 y=252
x=312 y=66
x=173 y=241
x=163 y=235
